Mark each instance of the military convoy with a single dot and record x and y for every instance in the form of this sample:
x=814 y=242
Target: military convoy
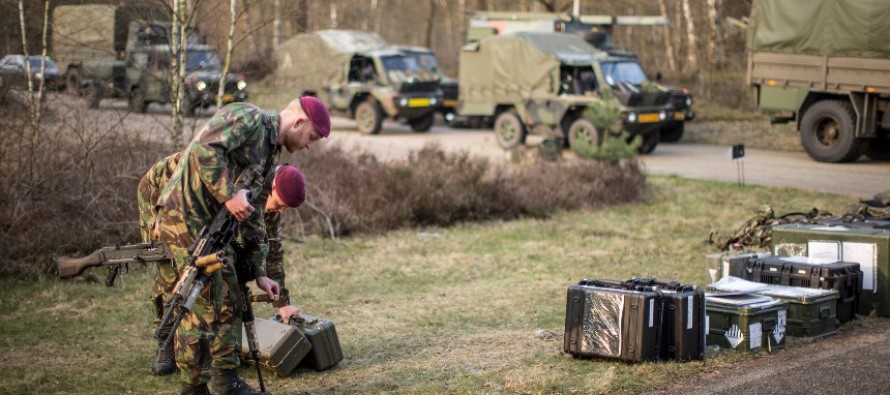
x=124 y=52
x=360 y=75
x=827 y=63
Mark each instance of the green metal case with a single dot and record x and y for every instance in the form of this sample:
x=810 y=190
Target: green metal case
x=870 y=247
x=746 y=327
x=810 y=316
x=281 y=346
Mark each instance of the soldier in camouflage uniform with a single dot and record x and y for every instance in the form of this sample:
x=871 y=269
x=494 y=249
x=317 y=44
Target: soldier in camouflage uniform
x=150 y=187
x=228 y=159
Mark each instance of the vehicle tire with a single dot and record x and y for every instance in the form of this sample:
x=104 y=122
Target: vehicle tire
x=368 y=117
x=136 y=101
x=422 y=124
x=72 y=82
x=93 y=96
x=650 y=141
x=827 y=132
x=879 y=147
x=674 y=133
x=509 y=130
x=582 y=130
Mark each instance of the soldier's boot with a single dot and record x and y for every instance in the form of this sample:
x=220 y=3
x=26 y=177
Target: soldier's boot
x=165 y=362
x=188 y=389
x=227 y=382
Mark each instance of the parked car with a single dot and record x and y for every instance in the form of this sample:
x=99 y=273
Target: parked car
x=14 y=73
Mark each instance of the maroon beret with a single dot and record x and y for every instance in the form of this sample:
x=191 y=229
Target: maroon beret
x=290 y=186
x=318 y=114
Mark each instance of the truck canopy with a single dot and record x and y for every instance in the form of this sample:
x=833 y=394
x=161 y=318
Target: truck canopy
x=83 y=32
x=311 y=61
x=520 y=65
x=854 y=28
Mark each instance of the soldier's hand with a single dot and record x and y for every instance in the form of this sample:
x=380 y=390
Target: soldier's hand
x=239 y=206
x=287 y=312
x=269 y=286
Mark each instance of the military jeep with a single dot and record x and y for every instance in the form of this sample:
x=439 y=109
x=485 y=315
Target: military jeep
x=558 y=78
x=359 y=75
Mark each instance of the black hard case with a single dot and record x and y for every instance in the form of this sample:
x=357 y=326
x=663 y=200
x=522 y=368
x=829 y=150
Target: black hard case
x=683 y=335
x=322 y=334
x=612 y=323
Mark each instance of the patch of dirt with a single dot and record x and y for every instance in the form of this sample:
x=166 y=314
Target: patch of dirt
x=754 y=134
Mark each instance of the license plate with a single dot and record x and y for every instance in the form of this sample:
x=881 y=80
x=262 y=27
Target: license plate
x=679 y=116
x=228 y=98
x=449 y=103
x=648 y=118
x=419 y=102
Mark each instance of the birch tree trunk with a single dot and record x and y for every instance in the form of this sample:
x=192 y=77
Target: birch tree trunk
x=333 y=14
x=177 y=70
x=691 y=45
x=668 y=44
x=713 y=58
x=34 y=106
x=230 y=51
x=276 y=27
x=428 y=40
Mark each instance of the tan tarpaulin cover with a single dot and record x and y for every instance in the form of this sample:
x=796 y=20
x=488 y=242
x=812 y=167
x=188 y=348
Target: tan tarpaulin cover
x=311 y=61
x=83 y=32
x=858 y=28
x=517 y=66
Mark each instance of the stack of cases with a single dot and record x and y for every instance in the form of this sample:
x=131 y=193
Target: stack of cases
x=844 y=277
x=322 y=334
x=634 y=321
x=281 y=346
x=864 y=242
x=747 y=325
x=733 y=263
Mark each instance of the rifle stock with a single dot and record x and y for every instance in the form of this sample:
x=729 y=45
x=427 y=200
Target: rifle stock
x=116 y=258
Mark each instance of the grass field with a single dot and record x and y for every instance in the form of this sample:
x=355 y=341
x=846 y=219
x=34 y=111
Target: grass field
x=477 y=308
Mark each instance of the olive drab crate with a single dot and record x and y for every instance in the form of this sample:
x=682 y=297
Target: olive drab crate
x=281 y=346
x=746 y=322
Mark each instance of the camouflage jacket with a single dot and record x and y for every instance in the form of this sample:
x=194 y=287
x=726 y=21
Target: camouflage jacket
x=231 y=152
x=150 y=187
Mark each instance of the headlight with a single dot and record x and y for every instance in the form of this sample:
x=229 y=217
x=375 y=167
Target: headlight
x=688 y=101
x=403 y=102
x=631 y=117
x=242 y=84
x=662 y=115
x=201 y=85
x=433 y=101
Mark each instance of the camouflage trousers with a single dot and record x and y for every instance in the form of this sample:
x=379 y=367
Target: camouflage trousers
x=210 y=335
x=165 y=281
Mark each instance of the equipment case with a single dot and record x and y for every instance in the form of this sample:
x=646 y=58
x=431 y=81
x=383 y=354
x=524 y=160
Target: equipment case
x=612 y=323
x=732 y=263
x=281 y=346
x=322 y=334
x=811 y=313
x=870 y=247
x=745 y=325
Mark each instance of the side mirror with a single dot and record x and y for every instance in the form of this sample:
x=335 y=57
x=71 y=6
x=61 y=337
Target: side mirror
x=658 y=76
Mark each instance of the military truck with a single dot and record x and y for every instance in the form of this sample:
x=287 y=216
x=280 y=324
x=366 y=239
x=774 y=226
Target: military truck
x=447 y=85
x=597 y=31
x=360 y=75
x=123 y=51
x=560 y=75
x=827 y=64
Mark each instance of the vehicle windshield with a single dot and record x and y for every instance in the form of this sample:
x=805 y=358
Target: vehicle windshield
x=196 y=60
x=400 y=68
x=35 y=63
x=426 y=61
x=623 y=71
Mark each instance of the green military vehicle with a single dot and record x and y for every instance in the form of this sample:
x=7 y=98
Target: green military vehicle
x=124 y=52
x=360 y=75
x=597 y=31
x=447 y=85
x=827 y=63
x=560 y=76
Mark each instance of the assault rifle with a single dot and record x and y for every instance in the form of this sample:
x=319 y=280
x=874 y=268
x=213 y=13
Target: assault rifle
x=116 y=258
x=205 y=258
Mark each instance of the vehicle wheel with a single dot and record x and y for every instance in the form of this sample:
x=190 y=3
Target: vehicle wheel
x=879 y=148
x=93 y=96
x=509 y=130
x=650 y=141
x=422 y=124
x=72 y=82
x=137 y=102
x=674 y=133
x=368 y=117
x=827 y=132
x=583 y=131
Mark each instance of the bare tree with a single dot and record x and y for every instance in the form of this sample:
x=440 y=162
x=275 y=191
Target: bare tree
x=230 y=50
x=333 y=14
x=428 y=40
x=672 y=62
x=276 y=26
x=34 y=100
x=691 y=46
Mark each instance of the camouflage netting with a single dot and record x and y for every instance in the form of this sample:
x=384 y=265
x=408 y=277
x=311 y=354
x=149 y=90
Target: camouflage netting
x=821 y=27
x=311 y=61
